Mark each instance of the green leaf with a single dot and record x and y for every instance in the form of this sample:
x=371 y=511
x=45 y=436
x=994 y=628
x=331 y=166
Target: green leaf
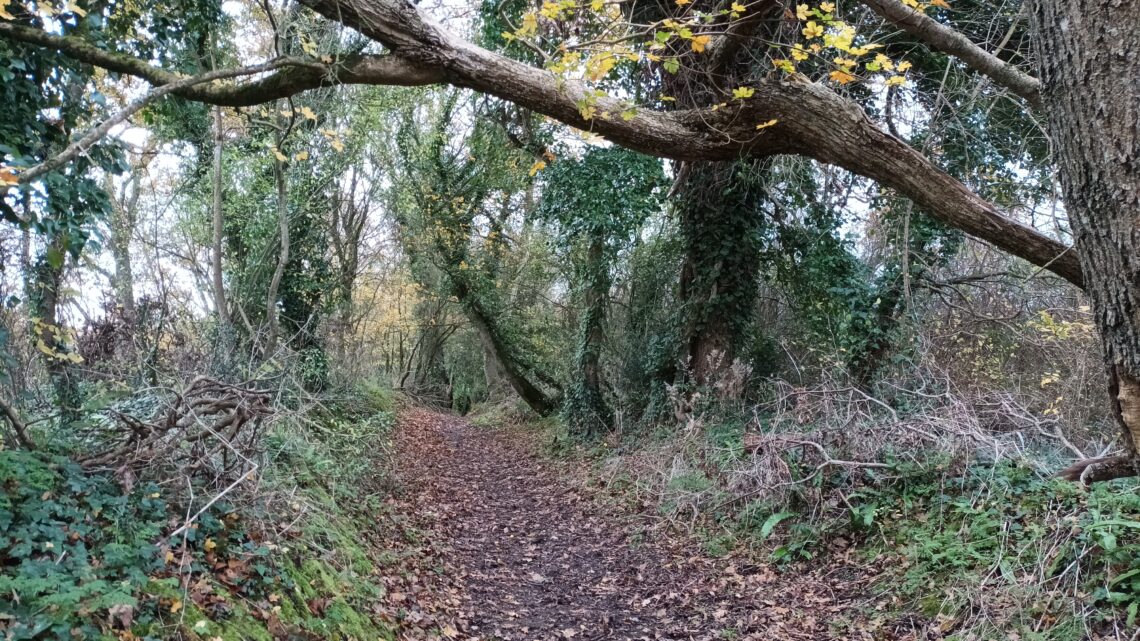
x=772 y=521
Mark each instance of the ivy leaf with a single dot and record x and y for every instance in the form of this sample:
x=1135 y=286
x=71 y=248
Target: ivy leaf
x=741 y=93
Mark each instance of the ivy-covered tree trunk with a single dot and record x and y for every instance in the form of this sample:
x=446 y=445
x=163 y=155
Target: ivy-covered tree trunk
x=586 y=405
x=1089 y=58
x=43 y=284
x=496 y=346
x=720 y=225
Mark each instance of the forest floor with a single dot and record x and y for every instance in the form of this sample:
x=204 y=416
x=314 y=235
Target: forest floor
x=526 y=551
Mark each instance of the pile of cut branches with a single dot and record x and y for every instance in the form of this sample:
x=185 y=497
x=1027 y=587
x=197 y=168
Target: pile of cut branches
x=210 y=428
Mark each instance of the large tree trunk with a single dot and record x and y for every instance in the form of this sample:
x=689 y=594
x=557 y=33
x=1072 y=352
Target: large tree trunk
x=1090 y=67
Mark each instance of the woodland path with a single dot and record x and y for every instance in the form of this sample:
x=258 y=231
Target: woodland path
x=531 y=555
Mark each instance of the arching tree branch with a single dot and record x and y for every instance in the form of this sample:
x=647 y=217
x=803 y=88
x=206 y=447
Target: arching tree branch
x=939 y=37
x=811 y=119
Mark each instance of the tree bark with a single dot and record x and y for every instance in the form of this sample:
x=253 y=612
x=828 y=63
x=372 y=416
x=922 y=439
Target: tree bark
x=1089 y=59
x=122 y=224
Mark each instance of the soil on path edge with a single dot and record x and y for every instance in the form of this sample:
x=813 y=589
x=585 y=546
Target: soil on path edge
x=533 y=557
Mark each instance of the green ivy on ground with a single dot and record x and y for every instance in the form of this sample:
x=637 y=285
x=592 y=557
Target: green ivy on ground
x=83 y=558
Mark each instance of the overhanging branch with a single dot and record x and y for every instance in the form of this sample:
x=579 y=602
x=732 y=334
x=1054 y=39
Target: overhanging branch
x=295 y=77
x=811 y=119
x=939 y=37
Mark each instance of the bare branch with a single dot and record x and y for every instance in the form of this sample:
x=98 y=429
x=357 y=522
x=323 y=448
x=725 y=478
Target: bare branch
x=298 y=76
x=97 y=133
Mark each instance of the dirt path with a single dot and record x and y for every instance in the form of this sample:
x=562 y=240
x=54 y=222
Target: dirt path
x=534 y=558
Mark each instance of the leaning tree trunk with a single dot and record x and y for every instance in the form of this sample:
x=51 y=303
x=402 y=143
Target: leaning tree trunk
x=1089 y=62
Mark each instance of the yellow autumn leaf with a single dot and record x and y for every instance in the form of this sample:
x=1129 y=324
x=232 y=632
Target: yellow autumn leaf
x=277 y=154
x=308 y=113
x=738 y=8
x=896 y=81
x=845 y=63
x=210 y=544
x=529 y=25
x=7 y=176
x=175 y=606
x=301 y=155
x=743 y=92
x=842 y=77
x=942 y=4
x=698 y=43
x=812 y=30
x=802 y=11
x=681 y=3
x=787 y=66
x=904 y=66
x=537 y=167
x=765 y=125
x=827 y=7
x=337 y=144
x=169 y=556
x=4 y=13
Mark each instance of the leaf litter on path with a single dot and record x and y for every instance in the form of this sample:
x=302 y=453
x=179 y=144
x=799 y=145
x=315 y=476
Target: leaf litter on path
x=527 y=554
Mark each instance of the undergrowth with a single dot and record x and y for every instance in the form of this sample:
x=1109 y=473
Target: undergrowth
x=973 y=545
x=301 y=555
